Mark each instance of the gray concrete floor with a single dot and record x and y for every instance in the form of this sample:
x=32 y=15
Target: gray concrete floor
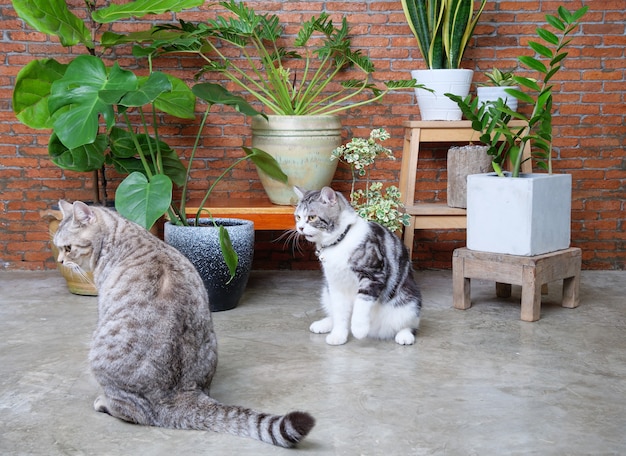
x=477 y=382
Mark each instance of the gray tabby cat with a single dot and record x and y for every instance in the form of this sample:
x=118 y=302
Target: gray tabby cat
x=369 y=286
x=154 y=351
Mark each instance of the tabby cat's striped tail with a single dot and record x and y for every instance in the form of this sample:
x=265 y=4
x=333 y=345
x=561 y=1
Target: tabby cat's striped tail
x=194 y=410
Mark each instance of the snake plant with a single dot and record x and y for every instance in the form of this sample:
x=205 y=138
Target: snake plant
x=442 y=28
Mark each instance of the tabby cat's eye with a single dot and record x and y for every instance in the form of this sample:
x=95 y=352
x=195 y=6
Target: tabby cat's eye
x=312 y=218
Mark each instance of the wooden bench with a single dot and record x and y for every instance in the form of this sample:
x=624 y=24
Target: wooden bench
x=264 y=214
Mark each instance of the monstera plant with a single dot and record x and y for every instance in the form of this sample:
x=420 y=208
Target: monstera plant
x=103 y=114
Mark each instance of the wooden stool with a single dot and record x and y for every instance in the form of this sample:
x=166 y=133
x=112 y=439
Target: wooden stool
x=531 y=272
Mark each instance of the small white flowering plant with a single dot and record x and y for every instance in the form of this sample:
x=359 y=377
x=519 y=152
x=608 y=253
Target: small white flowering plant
x=372 y=203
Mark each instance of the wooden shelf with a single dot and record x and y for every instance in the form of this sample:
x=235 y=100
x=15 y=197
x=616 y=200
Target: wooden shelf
x=264 y=214
x=434 y=216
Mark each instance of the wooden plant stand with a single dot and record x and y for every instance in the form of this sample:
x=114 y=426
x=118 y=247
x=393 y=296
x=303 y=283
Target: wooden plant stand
x=434 y=216
x=531 y=272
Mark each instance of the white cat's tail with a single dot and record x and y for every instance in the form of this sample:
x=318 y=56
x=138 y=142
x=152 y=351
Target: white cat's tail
x=195 y=410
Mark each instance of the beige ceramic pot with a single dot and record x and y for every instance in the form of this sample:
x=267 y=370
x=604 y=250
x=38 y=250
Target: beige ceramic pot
x=302 y=146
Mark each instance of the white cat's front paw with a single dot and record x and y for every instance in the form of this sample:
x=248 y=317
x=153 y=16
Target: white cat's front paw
x=405 y=337
x=360 y=330
x=323 y=326
x=337 y=338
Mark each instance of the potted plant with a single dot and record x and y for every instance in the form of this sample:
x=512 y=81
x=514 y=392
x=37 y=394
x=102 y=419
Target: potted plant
x=536 y=206
x=442 y=29
x=499 y=81
x=370 y=202
x=90 y=108
x=302 y=86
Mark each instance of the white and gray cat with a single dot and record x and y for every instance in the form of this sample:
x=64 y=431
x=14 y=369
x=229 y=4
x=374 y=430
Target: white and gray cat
x=154 y=351
x=369 y=285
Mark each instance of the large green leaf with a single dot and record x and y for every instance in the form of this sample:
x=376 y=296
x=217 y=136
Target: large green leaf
x=88 y=157
x=179 y=102
x=54 y=18
x=148 y=90
x=228 y=252
x=143 y=201
x=266 y=163
x=79 y=88
x=124 y=156
x=32 y=88
x=140 y=8
x=216 y=94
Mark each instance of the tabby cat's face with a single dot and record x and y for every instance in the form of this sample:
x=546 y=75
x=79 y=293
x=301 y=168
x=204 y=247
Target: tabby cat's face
x=75 y=236
x=318 y=214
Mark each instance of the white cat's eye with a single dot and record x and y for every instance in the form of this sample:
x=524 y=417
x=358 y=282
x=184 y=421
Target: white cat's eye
x=298 y=218
x=312 y=218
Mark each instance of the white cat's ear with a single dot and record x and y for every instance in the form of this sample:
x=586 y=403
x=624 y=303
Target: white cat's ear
x=329 y=196
x=83 y=214
x=66 y=208
x=299 y=192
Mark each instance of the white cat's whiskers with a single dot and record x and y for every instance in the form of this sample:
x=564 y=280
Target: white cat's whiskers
x=291 y=238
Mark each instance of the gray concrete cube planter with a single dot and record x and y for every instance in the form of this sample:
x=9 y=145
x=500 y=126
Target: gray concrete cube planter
x=529 y=215
x=200 y=244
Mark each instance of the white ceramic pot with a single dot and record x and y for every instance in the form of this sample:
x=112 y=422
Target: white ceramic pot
x=529 y=215
x=435 y=105
x=491 y=94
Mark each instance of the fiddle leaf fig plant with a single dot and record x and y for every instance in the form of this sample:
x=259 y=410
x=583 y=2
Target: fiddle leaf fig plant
x=492 y=119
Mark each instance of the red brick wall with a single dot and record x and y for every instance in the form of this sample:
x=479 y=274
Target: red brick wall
x=589 y=126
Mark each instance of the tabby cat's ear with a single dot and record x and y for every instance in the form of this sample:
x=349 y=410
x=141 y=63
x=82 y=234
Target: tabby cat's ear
x=66 y=208
x=299 y=192
x=329 y=196
x=83 y=214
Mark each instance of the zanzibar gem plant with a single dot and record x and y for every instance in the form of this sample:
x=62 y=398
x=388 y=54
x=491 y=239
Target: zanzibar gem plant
x=288 y=81
x=442 y=29
x=370 y=203
x=492 y=119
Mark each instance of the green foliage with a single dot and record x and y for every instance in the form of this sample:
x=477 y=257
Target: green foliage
x=498 y=78
x=492 y=119
x=370 y=203
x=442 y=29
x=88 y=106
x=291 y=81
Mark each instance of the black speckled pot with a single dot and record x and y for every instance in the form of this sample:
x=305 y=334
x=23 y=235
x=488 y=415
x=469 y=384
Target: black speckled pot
x=201 y=245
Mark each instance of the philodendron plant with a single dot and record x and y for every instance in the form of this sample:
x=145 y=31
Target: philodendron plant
x=492 y=119
x=287 y=78
x=93 y=109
